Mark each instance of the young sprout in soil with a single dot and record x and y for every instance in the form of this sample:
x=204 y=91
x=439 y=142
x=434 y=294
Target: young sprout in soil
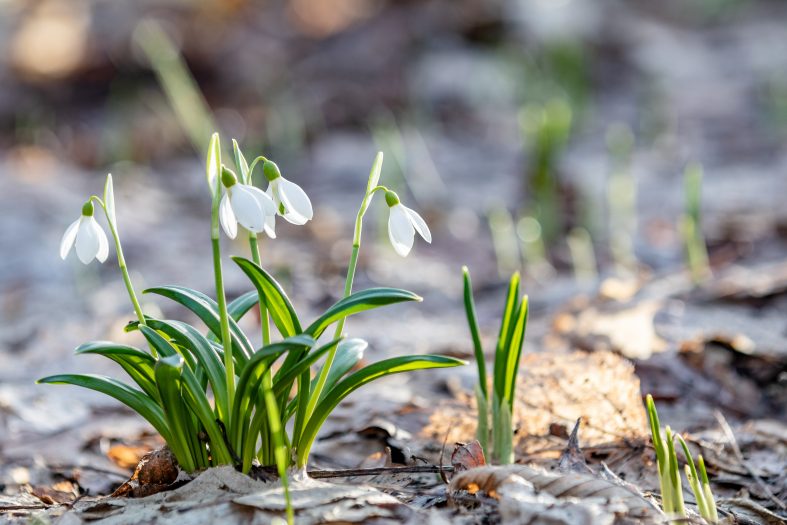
x=669 y=472
x=691 y=226
x=214 y=397
x=507 y=356
x=547 y=128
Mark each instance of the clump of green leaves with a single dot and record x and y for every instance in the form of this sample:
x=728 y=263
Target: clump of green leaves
x=214 y=396
x=669 y=472
x=508 y=352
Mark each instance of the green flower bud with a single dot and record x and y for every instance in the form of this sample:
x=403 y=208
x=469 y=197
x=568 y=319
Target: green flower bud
x=270 y=170
x=391 y=198
x=228 y=177
x=87 y=208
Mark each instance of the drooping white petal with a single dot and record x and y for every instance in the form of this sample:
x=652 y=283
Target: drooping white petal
x=419 y=223
x=296 y=202
x=268 y=207
x=68 y=238
x=87 y=240
x=227 y=218
x=400 y=230
x=103 y=243
x=270 y=226
x=247 y=210
x=273 y=192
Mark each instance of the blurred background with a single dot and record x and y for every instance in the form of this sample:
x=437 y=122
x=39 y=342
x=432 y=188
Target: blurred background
x=586 y=143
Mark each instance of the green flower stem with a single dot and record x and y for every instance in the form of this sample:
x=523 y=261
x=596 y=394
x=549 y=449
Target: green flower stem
x=229 y=364
x=264 y=317
x=254 y=164
x=348 y=285
x=314 y=396
x=122 y=262
x=267 y=378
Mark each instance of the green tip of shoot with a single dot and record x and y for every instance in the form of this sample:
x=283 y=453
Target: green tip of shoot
x=703 y=472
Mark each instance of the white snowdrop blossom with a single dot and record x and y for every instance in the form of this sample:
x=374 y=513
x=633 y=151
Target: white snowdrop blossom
x=90 y=239
x=291 y=201
x=247 y=205
x=403 y=222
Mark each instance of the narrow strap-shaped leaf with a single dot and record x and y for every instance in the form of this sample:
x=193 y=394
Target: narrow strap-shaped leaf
x=276 y=301
x=302 y=404
x=504 y=336
x=131 y=397
x=200 y=406
x=136 y=363
x=282 y=382
x=254 y=422
x=163 y=346
x=359 y=302
x=394 y=365
x=207 y=310
x=258 y=364
x=238 y=307
x=349 y=353
x=482 y=430
x=191 y=339
x=515 y=353
x=472 y=322
x=169 y=386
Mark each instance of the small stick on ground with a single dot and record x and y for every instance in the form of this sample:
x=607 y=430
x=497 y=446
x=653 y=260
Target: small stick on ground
x=416 y=469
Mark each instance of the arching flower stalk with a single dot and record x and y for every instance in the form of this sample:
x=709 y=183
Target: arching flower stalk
x=404 y=220
x=91 y=241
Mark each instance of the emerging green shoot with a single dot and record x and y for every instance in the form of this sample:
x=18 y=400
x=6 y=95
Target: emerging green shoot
x=546 y=128
x=669 y=472
x=691 y=226
x=504 y=375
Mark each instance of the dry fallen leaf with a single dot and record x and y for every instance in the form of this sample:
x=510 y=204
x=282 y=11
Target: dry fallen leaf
x=526 y=491
x=599 y=387
x=467 y=456
x=62 y=492
x=127 y=456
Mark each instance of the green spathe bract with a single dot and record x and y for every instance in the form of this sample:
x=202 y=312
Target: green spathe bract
x=508 y=353
x=213 y=396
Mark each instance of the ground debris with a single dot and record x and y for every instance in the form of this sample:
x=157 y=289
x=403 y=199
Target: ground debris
x=467 y=456
x=598 y=387
x=533 y=495
x=157 y=471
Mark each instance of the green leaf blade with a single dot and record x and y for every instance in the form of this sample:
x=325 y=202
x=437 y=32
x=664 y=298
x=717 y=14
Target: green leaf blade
x=275 y=299
x=207 y=310
x=359 y=302
x=386 y=367
x=132 y=398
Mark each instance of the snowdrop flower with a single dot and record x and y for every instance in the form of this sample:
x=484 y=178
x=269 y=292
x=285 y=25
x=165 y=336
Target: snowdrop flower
x=90 y=239
x=402 y=225
x=247 y=205
x=292 y=203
